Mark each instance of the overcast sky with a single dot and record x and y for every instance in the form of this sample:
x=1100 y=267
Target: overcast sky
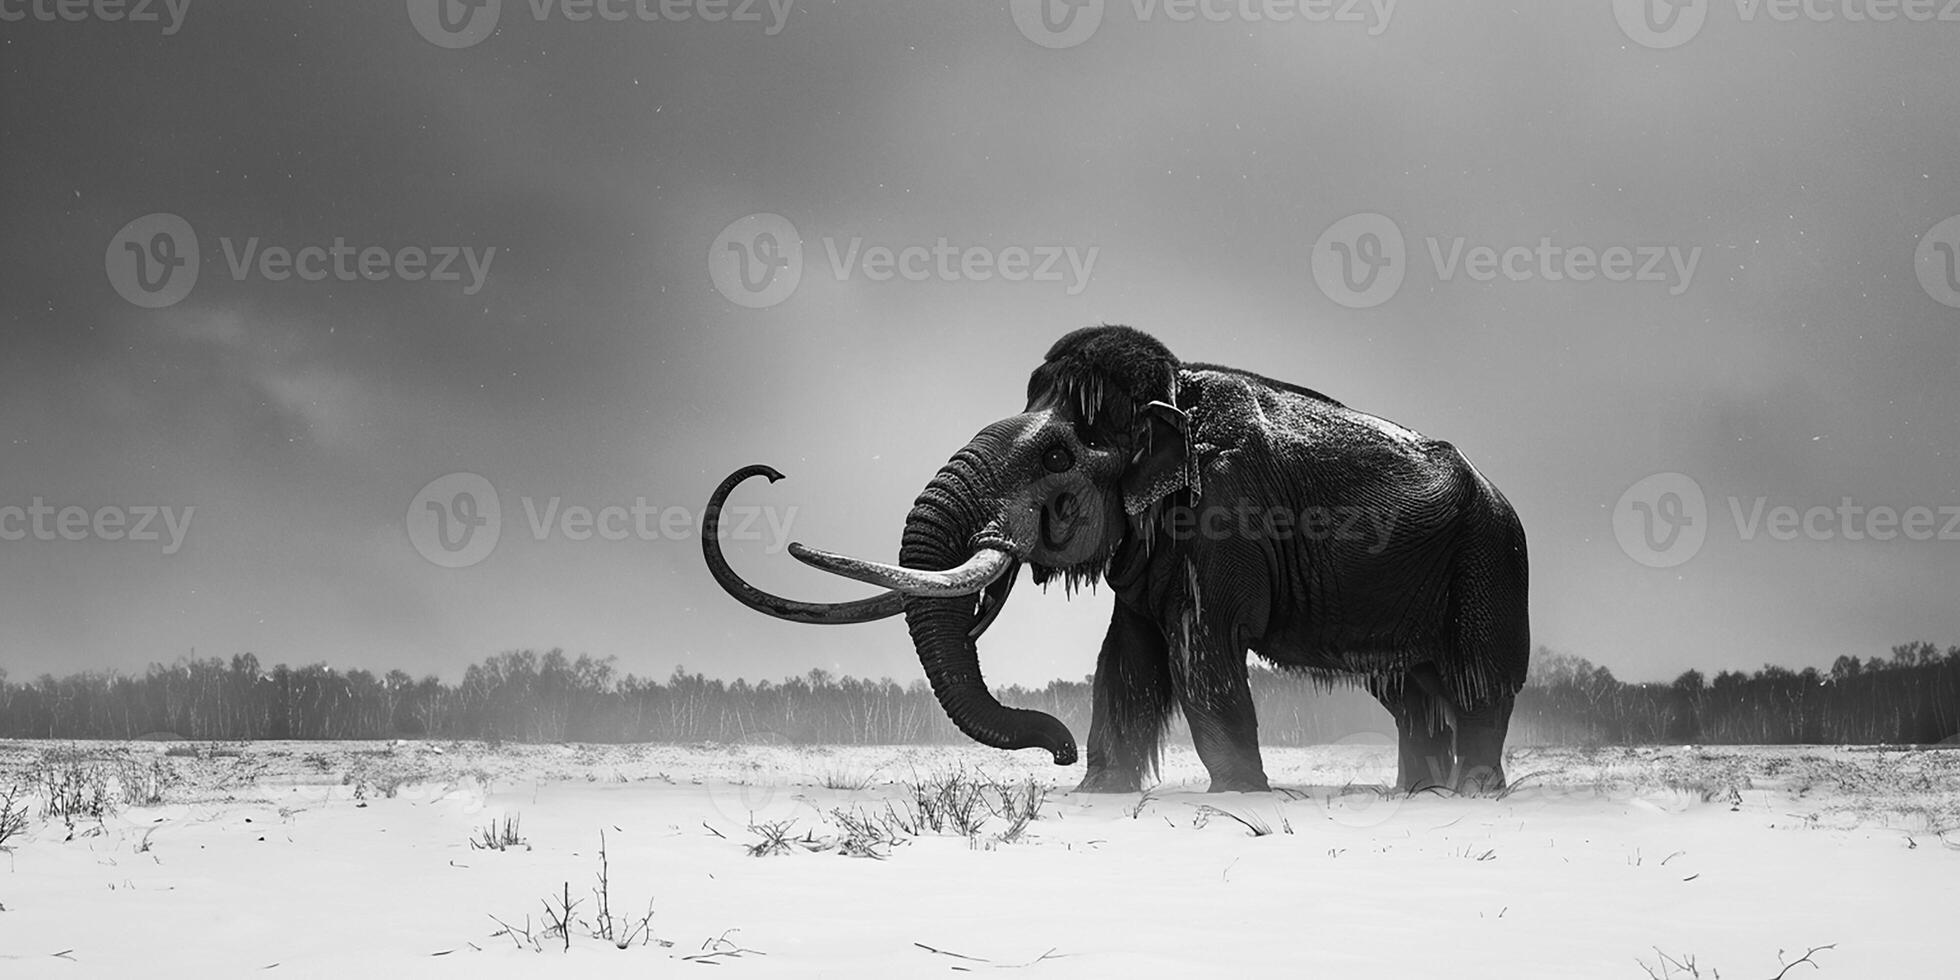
x=596 y=358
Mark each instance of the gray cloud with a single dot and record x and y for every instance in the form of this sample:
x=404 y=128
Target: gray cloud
x=599 y=364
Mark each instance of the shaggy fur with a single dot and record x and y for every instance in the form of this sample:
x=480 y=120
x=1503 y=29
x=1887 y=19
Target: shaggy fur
x=1105 y=375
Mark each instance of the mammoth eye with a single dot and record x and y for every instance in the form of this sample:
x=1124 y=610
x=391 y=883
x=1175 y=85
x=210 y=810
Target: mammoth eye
x=1057 y=459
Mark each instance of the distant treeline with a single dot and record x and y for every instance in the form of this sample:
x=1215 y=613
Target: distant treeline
x=1913 y=697
x=524 y=696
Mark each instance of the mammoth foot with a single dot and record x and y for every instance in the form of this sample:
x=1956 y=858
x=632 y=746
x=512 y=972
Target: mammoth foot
x=1110 y=781
x=1255 y=783
x=1479 y=781
x=1422 y=784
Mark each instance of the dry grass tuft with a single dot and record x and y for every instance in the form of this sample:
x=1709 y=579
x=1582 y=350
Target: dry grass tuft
x=1667 y=967
x=773 y=837
x=72 y=787
x=1254 y=825
x=13 y=813
x=562 y=919
x=500 y=835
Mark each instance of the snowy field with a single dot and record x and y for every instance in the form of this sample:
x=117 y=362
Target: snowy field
x=323 y=859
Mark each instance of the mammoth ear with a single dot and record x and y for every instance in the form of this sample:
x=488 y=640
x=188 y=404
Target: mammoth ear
x=1163 y=463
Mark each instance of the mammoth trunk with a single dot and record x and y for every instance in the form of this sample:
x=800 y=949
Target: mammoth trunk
x=938 y=535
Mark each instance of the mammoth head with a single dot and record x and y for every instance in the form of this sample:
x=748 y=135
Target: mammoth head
x=1055 y=487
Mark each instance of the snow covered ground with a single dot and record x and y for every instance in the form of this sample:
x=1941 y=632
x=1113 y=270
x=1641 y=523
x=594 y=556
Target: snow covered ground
x=322 y=859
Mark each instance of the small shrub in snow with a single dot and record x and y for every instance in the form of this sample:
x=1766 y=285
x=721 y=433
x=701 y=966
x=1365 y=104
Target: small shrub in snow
x=146 y=785
x=72 y=788
x=960 y=802
x=1667 y=967
x=849 y=782
x=773 y=837
x=1019 y=806
x=949 y=800
x=500 y=835
x=870 y=833
x=13 y=812
x=1684 y=967
x=562 y=919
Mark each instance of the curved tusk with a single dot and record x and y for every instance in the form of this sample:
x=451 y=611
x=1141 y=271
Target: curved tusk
x=992 y=601
x=823 y=613
x=986 y=565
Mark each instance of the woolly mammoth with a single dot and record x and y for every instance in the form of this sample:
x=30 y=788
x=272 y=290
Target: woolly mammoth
x=1227 y=512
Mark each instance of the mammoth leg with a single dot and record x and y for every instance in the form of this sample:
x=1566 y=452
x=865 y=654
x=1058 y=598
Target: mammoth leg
x=1425 y=757
x=1217 y=702
x=1480 y=746
x=1493 y=643
x=1132 y=703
